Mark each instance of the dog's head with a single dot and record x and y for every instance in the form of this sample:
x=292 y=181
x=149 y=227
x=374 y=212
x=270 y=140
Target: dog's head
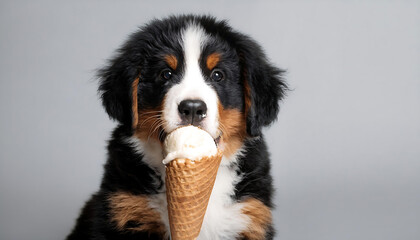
x=191 y=70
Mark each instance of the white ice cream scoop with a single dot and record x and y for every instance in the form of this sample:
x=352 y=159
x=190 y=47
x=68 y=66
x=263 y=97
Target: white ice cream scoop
x=188 y=142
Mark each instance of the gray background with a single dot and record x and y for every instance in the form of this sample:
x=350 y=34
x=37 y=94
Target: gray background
x=346 y=148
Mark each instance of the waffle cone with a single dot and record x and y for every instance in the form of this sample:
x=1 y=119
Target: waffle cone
x=188 y=188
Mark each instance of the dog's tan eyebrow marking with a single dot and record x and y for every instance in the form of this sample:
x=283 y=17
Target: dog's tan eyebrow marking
x=171 y=61
x=212 y=60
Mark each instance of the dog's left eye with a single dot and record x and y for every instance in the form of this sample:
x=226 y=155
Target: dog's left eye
x=216 y=75
x=166 y=74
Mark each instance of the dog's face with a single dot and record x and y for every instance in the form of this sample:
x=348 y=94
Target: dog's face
x=192 y=71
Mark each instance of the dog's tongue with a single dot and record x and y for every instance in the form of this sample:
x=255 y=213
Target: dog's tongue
x=188 y=142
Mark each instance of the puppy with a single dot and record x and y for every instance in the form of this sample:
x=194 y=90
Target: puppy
x=185 y=70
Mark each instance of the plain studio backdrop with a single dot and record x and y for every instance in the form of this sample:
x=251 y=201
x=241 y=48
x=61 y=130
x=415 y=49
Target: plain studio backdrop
x=345 y=149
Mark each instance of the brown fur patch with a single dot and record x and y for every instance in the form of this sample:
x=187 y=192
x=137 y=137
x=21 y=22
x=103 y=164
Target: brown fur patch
x=134 y=209
x=212 y=60
x=232 y=125
x=260 y=216
x=134 y=99
x=247 y=97
x=149 y=124
x=171 y=61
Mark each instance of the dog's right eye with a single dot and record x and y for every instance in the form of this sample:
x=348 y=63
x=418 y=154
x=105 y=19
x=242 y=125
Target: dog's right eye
x=166 y=74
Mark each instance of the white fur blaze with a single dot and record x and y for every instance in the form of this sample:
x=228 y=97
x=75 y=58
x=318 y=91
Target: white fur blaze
x=192 y=85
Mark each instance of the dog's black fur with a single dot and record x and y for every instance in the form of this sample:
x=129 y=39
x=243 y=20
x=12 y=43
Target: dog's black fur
x=243 y=61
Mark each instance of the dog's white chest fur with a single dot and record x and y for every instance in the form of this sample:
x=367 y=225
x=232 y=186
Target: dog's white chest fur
x=224 y=218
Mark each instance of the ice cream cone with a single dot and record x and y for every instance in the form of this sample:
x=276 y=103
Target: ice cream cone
x=188 y=188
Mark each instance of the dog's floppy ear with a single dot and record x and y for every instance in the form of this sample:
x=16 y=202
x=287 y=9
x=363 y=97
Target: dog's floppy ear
x=263 y=86
x=118 y=88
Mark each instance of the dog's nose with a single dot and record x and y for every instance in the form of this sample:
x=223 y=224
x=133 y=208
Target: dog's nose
x=192 y=111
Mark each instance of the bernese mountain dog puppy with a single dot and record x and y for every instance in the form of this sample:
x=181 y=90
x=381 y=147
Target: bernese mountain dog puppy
x=185 y=70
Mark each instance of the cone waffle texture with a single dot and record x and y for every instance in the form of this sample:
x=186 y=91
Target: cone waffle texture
x=188 y=189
